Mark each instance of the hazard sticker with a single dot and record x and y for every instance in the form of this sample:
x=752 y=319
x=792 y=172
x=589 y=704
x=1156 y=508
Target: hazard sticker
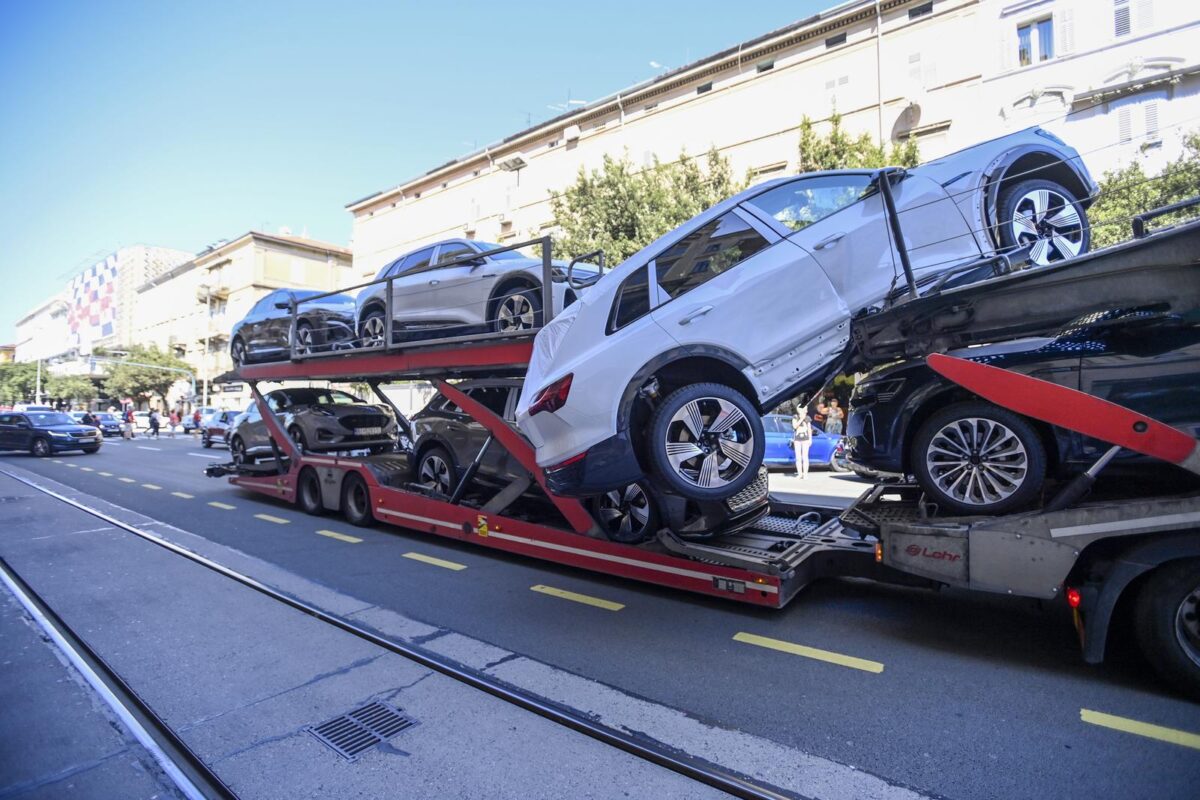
x=481 y=525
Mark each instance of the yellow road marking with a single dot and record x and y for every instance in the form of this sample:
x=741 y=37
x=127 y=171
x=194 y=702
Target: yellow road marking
x=607 y=605
x=225 y=506
x=184 y=495
x=341 y=537
x=126 y=480
x=1170 y=735
x=87 y=469
x=269 y=518
x=809 y=652
x=105 y=474
x=437 y=562
x=153 y=486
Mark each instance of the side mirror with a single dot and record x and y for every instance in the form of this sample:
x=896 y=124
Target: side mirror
x=283 y=305
x=474 y=263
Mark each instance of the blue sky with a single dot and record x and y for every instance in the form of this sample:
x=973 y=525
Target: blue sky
x=177 y=123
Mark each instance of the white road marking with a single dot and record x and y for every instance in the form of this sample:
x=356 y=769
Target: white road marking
x=200 y=455
x=143 y=447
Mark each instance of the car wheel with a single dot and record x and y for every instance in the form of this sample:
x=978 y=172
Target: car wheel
x=1046 y=215
x=304 y=339
x=296 y=434
x=237 y=352
x=308 y=492
x=838 y=463
x=90 y=450
x=518 y=310
x=1167 y=621
x=40 y=447
x=356 y=500
x=237 y=449
x=373 y=331
x=436 y=470
x=706 y=441
x=626 y=515
x=977 y=458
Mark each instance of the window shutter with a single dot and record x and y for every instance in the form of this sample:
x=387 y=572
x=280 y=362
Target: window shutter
x=1121 y=22
x=1151 y=110
x=1064 y=31
x=914 y=68
x=1145 y=15
x=1008 y=50
x=1124 y=125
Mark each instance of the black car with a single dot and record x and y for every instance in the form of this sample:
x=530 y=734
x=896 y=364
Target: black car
x=265 y=333
x=973 y=457
x=45 y=432
x=108 y=423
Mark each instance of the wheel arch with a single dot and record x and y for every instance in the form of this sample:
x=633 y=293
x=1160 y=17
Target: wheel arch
x=1033 y=163
x=374 y=304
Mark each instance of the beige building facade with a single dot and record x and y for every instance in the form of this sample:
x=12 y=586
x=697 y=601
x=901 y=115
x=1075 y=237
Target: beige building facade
x=190 y=310
x=1118 y=79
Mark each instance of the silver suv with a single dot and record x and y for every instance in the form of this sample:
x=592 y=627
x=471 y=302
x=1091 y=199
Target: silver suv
x=435 y=291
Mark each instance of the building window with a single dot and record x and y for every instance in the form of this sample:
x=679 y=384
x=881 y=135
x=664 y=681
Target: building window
x=553 y=144
x=1153 y=137
x=704 y=87
x=920 y=11
x=764 y=66
x=834 y=41
x=1035 y=42
x=1125 y=125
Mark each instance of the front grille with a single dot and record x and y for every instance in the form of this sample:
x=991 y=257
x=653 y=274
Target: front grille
x=754 y=493
x=364 y=421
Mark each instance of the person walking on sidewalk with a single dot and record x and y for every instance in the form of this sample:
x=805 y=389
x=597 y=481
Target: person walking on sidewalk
x=155 y=423
x=801 y=440
x=173 y=422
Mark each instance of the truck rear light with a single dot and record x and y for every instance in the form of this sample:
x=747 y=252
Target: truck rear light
x=1073 y=597
x=553 y=397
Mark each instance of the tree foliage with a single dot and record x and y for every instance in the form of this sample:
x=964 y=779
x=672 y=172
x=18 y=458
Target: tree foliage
x=131 y=380
x=839 y=149
x=18 y=382
x=620 y=209
x=1128 y=190
x=71 y=388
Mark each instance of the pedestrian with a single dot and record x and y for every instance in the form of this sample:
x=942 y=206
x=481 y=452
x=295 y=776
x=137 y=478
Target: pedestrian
x=154 y=423
x=834 y=417
x=819 y=412
x=174 y=423
x=87 y=419
x=196 y=421
x=127 y=423
x=801 y=440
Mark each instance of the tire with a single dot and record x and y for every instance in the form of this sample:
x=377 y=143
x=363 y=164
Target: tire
x=731 y=441
x=304 y=339
x=946 y=458
x=838 y=464
x=91 y=450
x=356 y=501
x=205 y=440
x=308 y=492
x=40 y=447
x=1046 y=214
x=627 y=515
x=237 y=449
x=296 y=434
x=237 y=352
x=435 y=468
x=517 y=310
x=1167 y=618
x=372 y=331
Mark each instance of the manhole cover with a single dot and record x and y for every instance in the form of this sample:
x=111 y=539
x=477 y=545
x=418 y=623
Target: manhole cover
x=353 y=733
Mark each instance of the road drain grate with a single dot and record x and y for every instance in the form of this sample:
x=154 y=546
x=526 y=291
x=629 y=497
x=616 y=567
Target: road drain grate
x=361 y=729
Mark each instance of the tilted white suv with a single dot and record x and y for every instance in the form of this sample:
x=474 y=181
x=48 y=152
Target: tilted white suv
x=667 y=364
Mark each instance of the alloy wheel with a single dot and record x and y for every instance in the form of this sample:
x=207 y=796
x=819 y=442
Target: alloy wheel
x=1047 y=220
x=304 y=340
x=373 y=331
x=41 y=448
x=709 y=442
x=515 y=313
x=238 y=353
x=435 y=473
x=624 y=513
x=977 y=461
x=1187 y=625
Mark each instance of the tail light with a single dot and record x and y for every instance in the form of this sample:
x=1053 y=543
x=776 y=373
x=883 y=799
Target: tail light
x=1073 y=597
x=553 y=397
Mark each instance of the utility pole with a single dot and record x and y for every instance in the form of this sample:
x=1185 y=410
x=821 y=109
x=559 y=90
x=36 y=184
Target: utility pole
x=879 y=69
x=207 y=324
x=37 y=393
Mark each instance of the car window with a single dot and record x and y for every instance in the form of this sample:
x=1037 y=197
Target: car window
x=277 y=401
x=705 y=253
x=493 y=398
x=417 y=260
x=632 y=300
x=802 y=202
x=777 y=424
x=508 y=255
x=7 y=419
x=453 y=250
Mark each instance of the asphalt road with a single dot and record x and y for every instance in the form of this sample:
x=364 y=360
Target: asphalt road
x=978 y=696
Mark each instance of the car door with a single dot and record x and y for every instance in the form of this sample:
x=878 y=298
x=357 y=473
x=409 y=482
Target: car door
x=8 y=430
x=457 y=295
x=733 y=286
x=410 y=296
x=21 y=433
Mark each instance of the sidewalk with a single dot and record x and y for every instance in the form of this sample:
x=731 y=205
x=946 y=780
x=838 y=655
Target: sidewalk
x=238 y=676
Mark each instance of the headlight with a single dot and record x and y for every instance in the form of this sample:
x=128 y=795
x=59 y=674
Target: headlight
x=60 y=435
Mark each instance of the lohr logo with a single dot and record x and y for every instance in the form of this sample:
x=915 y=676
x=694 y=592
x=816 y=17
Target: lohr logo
x=915 y=550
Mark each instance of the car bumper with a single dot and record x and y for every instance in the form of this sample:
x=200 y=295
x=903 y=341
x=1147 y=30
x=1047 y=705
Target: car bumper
x=608 y=465
x=74 y=444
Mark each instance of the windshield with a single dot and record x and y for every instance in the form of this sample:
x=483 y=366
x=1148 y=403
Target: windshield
x=321 y=397
x=50 y=418
x=511 y=255
x=105 y=417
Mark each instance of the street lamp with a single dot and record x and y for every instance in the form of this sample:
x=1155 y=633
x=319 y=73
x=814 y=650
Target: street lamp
x=204 y=287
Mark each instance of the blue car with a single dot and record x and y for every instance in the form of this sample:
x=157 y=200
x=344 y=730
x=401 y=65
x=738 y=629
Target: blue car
x=826 y=449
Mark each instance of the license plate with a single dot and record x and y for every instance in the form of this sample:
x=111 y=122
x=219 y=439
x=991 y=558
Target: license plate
x=368 y=431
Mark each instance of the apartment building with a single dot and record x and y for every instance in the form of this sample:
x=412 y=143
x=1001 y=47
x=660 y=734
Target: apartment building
x=1119 y=79
x=190 y=309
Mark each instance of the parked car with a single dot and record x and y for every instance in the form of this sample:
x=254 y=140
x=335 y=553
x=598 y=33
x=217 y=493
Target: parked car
x=265 y=333
x=45 y=432
x=676 y=353
x=824 y=449
x=141 y=420
x=316 y=420
x=972 y=457
x=109 y=423
x=433 y=291
x=215 y=427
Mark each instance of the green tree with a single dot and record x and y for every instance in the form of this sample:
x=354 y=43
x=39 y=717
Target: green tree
x=1128 y=191
x=18 y=382
x=71 y=388
x=839 y=149
x=132 y=380
x=620 y=209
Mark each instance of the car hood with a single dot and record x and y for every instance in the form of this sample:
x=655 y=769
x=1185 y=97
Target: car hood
x=348 y=411
x=66 y=428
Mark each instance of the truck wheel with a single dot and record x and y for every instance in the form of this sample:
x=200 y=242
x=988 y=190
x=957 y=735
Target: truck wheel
x=706 y=441
x=356 y=500
x=977 y=458
x=308 y=492
x=1048 y=216
x=1168 y=624
x=40 y=447
x=626 y=515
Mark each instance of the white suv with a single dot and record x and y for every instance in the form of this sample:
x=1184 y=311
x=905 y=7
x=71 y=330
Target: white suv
x=668 y=363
